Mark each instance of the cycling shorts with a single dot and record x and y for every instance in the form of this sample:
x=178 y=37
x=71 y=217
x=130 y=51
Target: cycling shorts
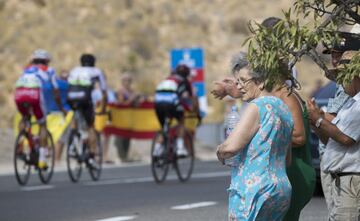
x=30 y=101
x=164 y=110
x=79 y=98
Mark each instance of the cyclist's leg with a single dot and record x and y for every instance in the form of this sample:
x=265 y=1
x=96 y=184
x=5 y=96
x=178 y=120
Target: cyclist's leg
x=21 y=97
x=40 y=114
x=25 y=115
x=88 y=113
x=161 y=111
x=39 y=111
x=178 y=113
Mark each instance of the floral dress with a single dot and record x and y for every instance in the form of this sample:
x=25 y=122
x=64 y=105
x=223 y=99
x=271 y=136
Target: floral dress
x=260 y=189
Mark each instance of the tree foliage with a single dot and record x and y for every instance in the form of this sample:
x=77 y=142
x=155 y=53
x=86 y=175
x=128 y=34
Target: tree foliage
x=349 y=71
x=291 y=38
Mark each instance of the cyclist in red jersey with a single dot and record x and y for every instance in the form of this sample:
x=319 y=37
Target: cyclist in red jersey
x=29 y=91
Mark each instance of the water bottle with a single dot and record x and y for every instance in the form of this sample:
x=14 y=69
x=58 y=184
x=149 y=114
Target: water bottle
x=230 y=123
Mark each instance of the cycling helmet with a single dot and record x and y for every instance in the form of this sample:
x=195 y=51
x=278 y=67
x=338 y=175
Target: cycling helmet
x=40 y=54
x=182 y=70
x=87 y=60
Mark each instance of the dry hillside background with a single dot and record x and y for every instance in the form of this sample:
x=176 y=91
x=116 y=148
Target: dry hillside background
x=130 y=35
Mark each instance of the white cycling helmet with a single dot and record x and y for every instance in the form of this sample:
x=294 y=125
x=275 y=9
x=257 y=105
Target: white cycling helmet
x=41 y=54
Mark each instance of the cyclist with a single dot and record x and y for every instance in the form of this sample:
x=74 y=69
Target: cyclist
x=173 y=96
x=82 y=80
x=31 y=88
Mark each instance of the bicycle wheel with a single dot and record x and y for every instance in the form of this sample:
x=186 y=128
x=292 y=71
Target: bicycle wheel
x=73 y=156
x=22 y=158
x=95 y=168
x=159 y=164
x=184 y=164
x=45 y=174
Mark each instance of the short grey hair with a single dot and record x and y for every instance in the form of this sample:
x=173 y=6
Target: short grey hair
x=240 y=61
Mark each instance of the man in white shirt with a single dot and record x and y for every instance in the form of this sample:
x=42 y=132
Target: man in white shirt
x=341 y=158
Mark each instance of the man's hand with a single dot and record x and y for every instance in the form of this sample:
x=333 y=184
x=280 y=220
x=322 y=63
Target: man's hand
x=314 y=111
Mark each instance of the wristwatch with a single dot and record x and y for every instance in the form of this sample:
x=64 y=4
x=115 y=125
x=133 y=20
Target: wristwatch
x=318 y=122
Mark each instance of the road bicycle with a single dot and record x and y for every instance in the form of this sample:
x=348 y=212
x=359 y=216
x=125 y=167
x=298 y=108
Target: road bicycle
x=26 y=154
x=78 y=150
x=183 y=165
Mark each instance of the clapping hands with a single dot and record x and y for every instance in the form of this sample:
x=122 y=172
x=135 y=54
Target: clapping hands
x=314 y=111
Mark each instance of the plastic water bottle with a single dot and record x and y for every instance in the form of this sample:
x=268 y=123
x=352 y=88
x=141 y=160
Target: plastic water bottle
x=230 y=123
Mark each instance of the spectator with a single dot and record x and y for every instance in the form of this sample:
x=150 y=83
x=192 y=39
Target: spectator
x=300 y=172
x=125 y=96
x=341 y=157
x=335 y=104
x=63 y=84
x=97 y=100
x=259 y=189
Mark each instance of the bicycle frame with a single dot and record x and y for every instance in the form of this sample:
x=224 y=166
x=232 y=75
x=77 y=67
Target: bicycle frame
x=183 y=165
x=166 y=137
x=28 y=131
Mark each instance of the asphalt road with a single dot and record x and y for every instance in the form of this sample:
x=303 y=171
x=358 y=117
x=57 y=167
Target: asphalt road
x=127 y=193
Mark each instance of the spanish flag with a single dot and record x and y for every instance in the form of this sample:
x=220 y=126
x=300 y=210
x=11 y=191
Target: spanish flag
x=138 y=122
x=56 y=124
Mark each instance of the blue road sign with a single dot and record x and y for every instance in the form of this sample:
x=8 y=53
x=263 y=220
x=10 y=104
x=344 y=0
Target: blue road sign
x=192 y=57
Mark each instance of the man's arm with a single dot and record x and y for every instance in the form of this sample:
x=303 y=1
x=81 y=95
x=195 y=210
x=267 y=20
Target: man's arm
x=329 y=130
x=103 y=88
x=103 y=101
x=326 y=129
x=322 y=136
x=57 y=95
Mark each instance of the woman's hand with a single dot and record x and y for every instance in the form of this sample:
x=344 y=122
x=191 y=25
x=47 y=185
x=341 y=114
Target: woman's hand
x=219 y=91
x=225 y=87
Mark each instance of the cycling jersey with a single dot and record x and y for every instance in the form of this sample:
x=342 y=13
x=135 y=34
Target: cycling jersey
x=44 y=73
x=29 y=89
x=81 y=81
x=87 y=76
x=170 y=99
x=172 y=91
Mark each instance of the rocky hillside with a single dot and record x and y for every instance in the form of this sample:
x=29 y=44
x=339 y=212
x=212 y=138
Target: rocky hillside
x=128 y=35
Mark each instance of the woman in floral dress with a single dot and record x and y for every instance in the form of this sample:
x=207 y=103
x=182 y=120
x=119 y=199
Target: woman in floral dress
x=259 y=189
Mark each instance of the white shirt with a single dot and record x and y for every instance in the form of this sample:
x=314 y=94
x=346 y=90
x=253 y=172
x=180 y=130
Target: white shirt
x=86 y=76
x=340 y=158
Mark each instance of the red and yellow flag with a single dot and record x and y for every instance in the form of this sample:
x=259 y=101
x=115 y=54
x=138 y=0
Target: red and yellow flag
x=135 y=122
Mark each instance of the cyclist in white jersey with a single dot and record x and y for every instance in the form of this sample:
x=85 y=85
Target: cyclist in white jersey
x=81 y=81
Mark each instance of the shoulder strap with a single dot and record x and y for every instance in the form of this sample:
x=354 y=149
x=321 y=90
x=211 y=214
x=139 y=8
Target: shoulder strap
x=300 y=100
